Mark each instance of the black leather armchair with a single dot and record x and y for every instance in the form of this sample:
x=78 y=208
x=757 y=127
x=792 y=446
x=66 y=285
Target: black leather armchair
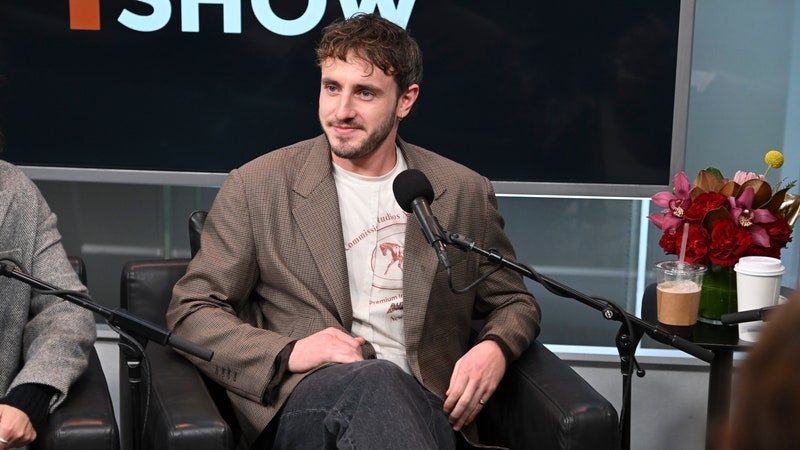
x=181 y=412
x=541 y=402
x=86 y=418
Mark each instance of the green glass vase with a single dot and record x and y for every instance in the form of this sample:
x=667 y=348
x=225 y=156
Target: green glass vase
x=718 y=295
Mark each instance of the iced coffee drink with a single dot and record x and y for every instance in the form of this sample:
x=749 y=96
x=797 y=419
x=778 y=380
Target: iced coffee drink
x=678 y=292
x=678 y=302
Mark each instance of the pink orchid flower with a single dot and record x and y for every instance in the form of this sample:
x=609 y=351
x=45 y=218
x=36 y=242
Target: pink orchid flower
x=746 y=217
x=674 y=204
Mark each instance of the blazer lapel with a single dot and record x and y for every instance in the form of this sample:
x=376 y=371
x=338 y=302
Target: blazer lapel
x=8 y=245
x=421 y=263
x=317 y=216
x=5 y=201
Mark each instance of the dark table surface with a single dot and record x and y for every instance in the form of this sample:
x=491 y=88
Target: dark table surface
x=712 y=337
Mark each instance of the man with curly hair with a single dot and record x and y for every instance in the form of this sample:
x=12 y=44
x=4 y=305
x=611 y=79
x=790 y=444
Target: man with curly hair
x=354 y=339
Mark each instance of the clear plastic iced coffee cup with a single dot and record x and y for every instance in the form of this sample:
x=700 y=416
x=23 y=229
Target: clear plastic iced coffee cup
x=678 y=292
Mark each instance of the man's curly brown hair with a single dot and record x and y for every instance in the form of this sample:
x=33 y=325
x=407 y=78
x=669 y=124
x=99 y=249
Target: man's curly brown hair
x=378 y=42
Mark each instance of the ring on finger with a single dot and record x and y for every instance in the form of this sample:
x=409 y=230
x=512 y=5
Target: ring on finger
x=482 y=402
x=3 y=441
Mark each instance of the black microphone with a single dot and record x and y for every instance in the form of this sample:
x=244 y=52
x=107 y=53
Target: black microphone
x=751 y=315
x=414 y=193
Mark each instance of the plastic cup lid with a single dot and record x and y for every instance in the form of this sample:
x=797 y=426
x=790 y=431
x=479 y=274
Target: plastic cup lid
x=677 y=267
x=759 y=266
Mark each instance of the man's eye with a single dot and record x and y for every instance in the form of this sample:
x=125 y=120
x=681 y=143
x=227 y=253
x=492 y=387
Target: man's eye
x=366 y=94
x=331 y=89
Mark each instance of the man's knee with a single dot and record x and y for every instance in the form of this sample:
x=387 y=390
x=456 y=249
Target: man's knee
x=379 y=368
x=383 y=376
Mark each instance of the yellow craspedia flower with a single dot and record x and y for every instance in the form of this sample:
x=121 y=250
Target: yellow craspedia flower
x=774 y=159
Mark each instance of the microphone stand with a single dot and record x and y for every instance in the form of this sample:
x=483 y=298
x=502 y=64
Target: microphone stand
x=630 y=332
x=139 y=329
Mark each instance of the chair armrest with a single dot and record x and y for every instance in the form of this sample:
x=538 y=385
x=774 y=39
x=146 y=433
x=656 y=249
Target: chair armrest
x=86 y=418
x=543 y=403
x=181 y=412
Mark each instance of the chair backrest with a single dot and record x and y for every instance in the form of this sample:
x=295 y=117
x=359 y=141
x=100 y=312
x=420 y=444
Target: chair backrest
x=79 y=267
x=649 y=301
x=146 y=287
x=196 y=222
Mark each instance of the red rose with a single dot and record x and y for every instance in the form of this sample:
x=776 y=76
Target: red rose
x=772 y=251
x=779 y=235
x=696 y=243
x=728 y=243
x=668 y=242
x=702 y=204
x=779 y=232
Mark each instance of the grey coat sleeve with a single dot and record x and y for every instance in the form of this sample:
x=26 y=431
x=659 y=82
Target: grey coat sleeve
x=59 y=335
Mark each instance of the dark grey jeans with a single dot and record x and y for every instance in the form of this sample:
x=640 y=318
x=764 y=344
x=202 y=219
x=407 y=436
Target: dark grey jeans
x=370 y=404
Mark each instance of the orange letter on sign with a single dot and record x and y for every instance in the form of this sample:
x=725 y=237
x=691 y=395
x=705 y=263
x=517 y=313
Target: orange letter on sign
x=84 y=14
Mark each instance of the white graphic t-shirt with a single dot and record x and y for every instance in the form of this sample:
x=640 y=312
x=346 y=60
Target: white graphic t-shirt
x=374 y=228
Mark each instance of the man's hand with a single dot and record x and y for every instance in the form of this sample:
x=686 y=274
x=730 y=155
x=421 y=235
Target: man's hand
x=475 y=377
x=15 y=428
x=330 y=345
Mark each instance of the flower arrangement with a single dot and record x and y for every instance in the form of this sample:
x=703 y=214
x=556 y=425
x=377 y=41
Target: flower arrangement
x=727 y=219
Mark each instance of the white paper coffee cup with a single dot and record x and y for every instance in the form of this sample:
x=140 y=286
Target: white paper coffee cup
x=758 y=285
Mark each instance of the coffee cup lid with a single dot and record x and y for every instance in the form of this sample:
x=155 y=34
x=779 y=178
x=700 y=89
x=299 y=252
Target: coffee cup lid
x=763 y=266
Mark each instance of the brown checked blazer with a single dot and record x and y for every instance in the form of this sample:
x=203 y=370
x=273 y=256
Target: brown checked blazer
x=275 y=228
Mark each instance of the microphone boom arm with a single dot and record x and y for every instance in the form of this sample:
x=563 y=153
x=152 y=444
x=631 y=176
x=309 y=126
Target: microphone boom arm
x=121 y=319
x=609 y=312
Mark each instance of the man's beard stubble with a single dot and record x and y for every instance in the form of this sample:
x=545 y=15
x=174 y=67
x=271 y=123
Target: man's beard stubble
x=346 y=150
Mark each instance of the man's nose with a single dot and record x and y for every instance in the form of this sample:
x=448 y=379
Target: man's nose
x=344 y=108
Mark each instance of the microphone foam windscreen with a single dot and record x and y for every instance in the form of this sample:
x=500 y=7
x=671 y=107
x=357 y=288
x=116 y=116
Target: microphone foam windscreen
x=411 y=184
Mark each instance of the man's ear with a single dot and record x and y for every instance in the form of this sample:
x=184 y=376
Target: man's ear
x=407 y=100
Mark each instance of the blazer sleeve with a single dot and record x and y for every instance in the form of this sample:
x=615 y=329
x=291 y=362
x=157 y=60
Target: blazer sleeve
x=512 y=315
x=59 y=335
x=218 y=283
